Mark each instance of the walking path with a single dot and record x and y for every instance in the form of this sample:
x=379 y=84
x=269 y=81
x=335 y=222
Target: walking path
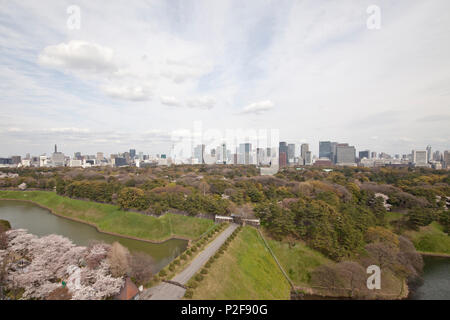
x=168 y=291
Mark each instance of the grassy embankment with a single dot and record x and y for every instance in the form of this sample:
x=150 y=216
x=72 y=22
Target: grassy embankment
x=246 y=270
x=430 y=239
x=109 y=218
x=297 y=260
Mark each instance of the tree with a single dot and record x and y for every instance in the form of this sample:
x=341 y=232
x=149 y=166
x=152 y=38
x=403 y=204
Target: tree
x=133 y=198
x=141 y=267
x=118 y=257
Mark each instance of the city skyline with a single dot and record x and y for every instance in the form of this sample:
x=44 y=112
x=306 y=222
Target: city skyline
x=312 y=70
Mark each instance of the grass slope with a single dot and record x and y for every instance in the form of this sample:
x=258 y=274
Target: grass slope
x=298 y=261
x=430 y=239
x=110 y=218
x=245 y=271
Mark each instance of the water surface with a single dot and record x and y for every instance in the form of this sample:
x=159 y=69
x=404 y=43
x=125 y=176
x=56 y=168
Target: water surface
x=436 y=276
x=41 y=222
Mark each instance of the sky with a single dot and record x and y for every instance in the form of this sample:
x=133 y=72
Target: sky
x=144 y=74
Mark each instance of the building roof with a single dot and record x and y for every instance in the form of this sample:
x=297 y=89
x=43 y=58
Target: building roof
x=128 y=291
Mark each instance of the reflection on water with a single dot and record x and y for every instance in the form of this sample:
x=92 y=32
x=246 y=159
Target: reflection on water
x=41 y=222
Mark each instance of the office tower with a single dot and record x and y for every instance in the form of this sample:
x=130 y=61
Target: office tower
x=374 y=155
x=437 y=156
x=345 y=154
x=327 y=149
x=364 y=154
x=16 y=159
x=283 y=159
x=244 y=153
x=199 y=153
x=119 y=161
x=282 y=154
x=100 y=156
x=268 y=152
x=428 y=153
x=132 y=153
x=77 y=155
x=446 y=159
x=224 y=153
x=308 y=159
x=291 y=153
x=304 y=148
x=419 y=158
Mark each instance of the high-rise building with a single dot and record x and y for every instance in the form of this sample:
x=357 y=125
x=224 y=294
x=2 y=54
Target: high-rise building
x=446 y=159
x=100 y=156
x=260 y=156
x=345 y=154
x=283 y=159
x=373 y=155
x=58 y=158
x=437 y=156
x=199 y=153
x=282 y=154
x=77 y=156
x=16 y=159
x=224 y=153
x=308 y=159
x=132 y=153
x=327 y=149
x=244 y=153
x=428 y=153
x=364 y=154
x=304 y=148
x=419 y=158
x=291 y=153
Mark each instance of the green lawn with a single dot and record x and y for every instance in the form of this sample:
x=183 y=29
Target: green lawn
x=298 y=261
x=110 y=218
x=430 y=239
x=245 y=271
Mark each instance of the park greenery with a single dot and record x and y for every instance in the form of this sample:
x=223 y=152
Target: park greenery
x=251 y=272
x=317 y=222
x=109 y=218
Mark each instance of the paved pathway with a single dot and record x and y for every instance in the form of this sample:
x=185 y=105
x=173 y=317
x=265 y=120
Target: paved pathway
x=167 y=291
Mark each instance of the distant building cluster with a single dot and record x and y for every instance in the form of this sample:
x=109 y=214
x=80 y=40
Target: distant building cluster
x=287 y=154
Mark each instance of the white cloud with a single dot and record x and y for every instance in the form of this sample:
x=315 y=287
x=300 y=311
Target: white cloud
x=170 y=101
x=79 y=56
x=258 y=107
x=204 y=102
x=132 y=93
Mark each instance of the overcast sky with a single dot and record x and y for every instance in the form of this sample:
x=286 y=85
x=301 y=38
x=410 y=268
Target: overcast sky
x=135 y=71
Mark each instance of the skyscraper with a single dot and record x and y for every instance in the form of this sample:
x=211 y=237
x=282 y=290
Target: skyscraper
x=307 y=160
x=419 y=158
x=291 y=153
x=327 y=149
x=345 y=154
x=446 y=159
x=132 y=153
x=199 y=153
x=428 y=153
x=364 y=154
x=282 y=154
x=244 y=153
x=303 y=150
